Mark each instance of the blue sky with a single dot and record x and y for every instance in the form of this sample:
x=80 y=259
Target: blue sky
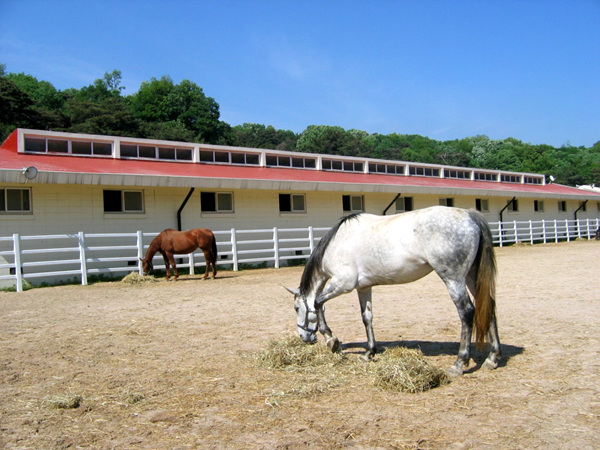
x=528 y=69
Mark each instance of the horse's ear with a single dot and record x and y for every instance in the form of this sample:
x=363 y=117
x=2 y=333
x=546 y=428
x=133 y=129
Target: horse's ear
x=142 y=260
x=292 y=291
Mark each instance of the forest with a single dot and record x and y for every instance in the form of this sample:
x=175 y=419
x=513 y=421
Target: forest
x=162 y=109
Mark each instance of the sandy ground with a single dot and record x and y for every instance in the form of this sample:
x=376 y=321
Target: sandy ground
x=168 y=365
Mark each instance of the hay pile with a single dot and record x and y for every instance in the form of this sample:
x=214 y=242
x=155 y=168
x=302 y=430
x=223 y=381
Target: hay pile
x=399 y=369
x=136 y=278
x=63 y=401
x=406 y=370
x=291 y=352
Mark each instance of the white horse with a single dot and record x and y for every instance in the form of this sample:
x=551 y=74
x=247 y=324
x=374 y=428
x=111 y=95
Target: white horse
x=364 y=250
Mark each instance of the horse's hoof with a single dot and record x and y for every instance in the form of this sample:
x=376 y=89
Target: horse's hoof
x=366 y=357
x=490 y=363
x=454 y=372
x=334 y=344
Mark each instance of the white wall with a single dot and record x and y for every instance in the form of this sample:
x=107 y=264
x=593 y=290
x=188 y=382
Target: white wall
x=69 y=209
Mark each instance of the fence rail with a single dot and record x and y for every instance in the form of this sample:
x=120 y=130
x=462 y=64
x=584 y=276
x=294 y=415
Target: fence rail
x=53 y=258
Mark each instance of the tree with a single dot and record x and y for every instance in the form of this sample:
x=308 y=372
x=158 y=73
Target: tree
x=16 y=109
x=105 y=88
x=261 y=136
x=47 y=102
x=110 y=117
x=333 y=140
x=163 y=101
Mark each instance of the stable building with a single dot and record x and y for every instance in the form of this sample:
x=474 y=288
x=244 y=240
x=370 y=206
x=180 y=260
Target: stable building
x=53 y=182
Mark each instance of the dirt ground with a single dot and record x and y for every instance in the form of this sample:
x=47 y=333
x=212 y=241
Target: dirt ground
x=169 y=365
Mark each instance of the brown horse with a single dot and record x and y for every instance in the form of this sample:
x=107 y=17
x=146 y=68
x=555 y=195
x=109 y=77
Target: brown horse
x=171 y=242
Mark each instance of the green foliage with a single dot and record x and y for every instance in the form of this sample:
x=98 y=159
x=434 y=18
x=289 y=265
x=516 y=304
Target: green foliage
x=181 y=105
x=333 y=140
x=162 y=109
x=260 y=136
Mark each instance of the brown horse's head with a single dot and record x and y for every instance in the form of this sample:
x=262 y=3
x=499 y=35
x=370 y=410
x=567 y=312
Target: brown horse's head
x=147 y=266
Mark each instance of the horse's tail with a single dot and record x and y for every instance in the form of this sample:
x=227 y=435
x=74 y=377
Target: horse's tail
x=213 y=252
x=485 y=283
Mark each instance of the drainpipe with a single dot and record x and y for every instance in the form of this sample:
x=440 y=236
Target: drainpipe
x=390 y=205
x=183 y=206
x=579 y=209
x=507 y=205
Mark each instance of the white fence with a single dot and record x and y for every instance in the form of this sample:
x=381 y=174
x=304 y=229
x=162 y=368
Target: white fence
x=55 y=258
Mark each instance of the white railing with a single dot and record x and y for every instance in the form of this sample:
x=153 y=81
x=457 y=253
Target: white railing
x=53 y=258
x=543 y=231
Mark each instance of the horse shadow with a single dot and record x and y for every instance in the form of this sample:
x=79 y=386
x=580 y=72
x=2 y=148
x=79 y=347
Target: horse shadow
x=429 y=348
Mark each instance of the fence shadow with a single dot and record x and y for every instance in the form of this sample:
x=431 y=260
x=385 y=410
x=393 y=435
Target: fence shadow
x=436 y=348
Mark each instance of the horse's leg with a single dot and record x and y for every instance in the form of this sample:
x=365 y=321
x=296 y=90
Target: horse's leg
x=208 y=260
x=333 y=289
x=466 y=312
x=491 y=361
x=172 y=261
x=167 y=264
x=364 y=297
x=332 y=342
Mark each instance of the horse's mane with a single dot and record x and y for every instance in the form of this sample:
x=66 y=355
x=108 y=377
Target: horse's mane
x=316 y=258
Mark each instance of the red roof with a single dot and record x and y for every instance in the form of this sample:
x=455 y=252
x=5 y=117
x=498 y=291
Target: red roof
x=11 y=159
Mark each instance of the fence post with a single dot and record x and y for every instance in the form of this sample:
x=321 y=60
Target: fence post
x=276 y=246
x=191 y=263
x=140 y=251
x=544 y=230
x=500 y=242
x=83 y=258
x=17 y=251
x=568 y=230
x=234 y=253
x=531 y=232
x=311 y=239
x=516 y=231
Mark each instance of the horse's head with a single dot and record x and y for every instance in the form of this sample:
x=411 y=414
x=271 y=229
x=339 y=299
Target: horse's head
x=307 y=319
x=147 y=266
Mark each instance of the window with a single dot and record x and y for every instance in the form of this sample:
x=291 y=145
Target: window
x=533 y=180
x=404 y=204
x=352 y=203
x=446 y=201
x=292 y=203
x=511 y=178
x=386 y=168
x=562 y=206
x=345 y=166
x=481 y=204
x=424 y=171
x=583 y=206
x=217 y=202
x=513 y=206
x=152 y=152
x=460 y=174
x=116 y=201
x=482 y=176
x=15 y=200
x=43 y=145
x=91 y=148
x=538 y=205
